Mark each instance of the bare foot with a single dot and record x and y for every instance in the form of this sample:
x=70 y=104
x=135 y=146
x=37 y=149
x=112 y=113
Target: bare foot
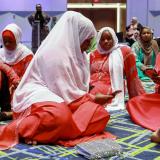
x=31 y=142
x=156 y=136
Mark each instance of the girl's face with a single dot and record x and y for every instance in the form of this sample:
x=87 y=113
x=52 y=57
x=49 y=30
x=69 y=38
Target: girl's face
x=86 y=44
x=146 y=34
x=106 y=42
x=9 y=43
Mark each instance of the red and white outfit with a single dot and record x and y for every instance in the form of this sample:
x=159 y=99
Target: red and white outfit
x=51 y=103
x=108 y=69
x=20 y=58
x=17 y=59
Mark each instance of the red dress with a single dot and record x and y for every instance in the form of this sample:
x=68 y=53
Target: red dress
x=13 y=73
x=145 y=109
x=100 y=77
x=12 y=76
x=7 y=74
x=22 y=65
x=57 y=123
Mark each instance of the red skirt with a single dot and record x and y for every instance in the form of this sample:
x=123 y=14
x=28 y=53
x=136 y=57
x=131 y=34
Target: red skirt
x=144 y=110
x=54 y=123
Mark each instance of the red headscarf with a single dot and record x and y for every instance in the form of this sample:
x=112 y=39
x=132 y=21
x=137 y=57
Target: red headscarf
x=21 y=51
x=9 y=34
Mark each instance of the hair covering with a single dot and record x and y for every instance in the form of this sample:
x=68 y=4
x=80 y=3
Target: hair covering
x=13 y=57
x=59 y=71
x=149 y=45
x=115 y=40
x=9 y=34
x=115 y=67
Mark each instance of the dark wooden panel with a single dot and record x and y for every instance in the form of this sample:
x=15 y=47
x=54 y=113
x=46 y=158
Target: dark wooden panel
x=123 y=20
x=104 y=17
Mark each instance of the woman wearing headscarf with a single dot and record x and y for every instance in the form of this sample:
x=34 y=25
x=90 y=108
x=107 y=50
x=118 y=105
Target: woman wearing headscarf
x=146 y=50
x=109 y=63
x=52 y=102
x=15 y=55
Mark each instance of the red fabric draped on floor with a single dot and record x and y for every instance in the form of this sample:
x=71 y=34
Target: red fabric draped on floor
x=50 y=122
x=145 y=110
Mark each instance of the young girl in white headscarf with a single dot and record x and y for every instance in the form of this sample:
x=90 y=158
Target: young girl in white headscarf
x=110 y=63
x=52 y=102
x=14 y=55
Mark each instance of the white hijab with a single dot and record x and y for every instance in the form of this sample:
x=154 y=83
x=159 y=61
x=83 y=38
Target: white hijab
x=59 y=71
x=21 y=51
x=115 y=68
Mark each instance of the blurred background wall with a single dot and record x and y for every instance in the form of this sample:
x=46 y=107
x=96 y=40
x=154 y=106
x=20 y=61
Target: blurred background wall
x=17 y=11
x=147 y=11
x=114 y=13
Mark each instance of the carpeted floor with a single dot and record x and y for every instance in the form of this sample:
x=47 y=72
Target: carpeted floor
x=134 y=140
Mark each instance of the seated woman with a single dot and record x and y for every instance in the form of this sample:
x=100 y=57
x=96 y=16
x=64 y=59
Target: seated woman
x=108 y=65
x=15 y=55
x=52 y=104
x=146 y=50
